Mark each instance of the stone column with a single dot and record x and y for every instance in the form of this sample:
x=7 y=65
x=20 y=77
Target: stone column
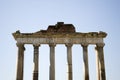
x=85 y=60
x=99 y=48
x=20 y=64
x=69 y=61
x=36 y=62
x=97 y=64
x=52 y=62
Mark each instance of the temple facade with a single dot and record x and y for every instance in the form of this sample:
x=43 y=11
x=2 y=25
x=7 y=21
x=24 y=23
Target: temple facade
x=66 y=34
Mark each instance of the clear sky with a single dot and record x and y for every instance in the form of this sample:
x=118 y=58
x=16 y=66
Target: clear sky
x=33 y=15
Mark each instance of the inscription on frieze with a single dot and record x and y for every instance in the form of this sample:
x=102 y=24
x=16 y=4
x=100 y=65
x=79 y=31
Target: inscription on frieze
x=59 y=40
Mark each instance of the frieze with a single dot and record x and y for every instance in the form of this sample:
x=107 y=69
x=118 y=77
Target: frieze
x=59 y=40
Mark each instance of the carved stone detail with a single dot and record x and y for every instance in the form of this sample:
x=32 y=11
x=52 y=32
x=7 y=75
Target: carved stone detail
x=61 y=33
x=59 y=40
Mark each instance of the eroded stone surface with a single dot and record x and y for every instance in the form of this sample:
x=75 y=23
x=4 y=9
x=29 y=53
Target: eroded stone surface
x=58 y=32
x=61 y=34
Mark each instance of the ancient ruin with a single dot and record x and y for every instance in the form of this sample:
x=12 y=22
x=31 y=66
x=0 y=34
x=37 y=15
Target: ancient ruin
x=61 y=34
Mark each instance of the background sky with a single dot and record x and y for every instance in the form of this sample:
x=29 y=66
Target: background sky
x=33 y=15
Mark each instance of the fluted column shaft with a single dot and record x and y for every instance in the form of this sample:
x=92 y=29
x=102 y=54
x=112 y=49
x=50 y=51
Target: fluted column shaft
x=52 y=62
x=85 y=60
x=36 y=62
x=99 y=48
x=20 y=64
x=69 y=61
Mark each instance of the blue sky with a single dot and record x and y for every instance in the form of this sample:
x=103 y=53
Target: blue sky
x=33 y=15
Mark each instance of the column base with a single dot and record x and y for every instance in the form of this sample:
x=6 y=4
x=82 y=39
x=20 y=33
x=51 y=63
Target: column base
x=35 y=76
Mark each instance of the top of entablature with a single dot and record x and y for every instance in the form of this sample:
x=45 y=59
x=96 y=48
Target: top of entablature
x=60 y=30
x=60 y=27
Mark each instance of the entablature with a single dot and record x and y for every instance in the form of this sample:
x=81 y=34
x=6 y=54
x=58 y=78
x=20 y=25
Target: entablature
x=60 y=34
